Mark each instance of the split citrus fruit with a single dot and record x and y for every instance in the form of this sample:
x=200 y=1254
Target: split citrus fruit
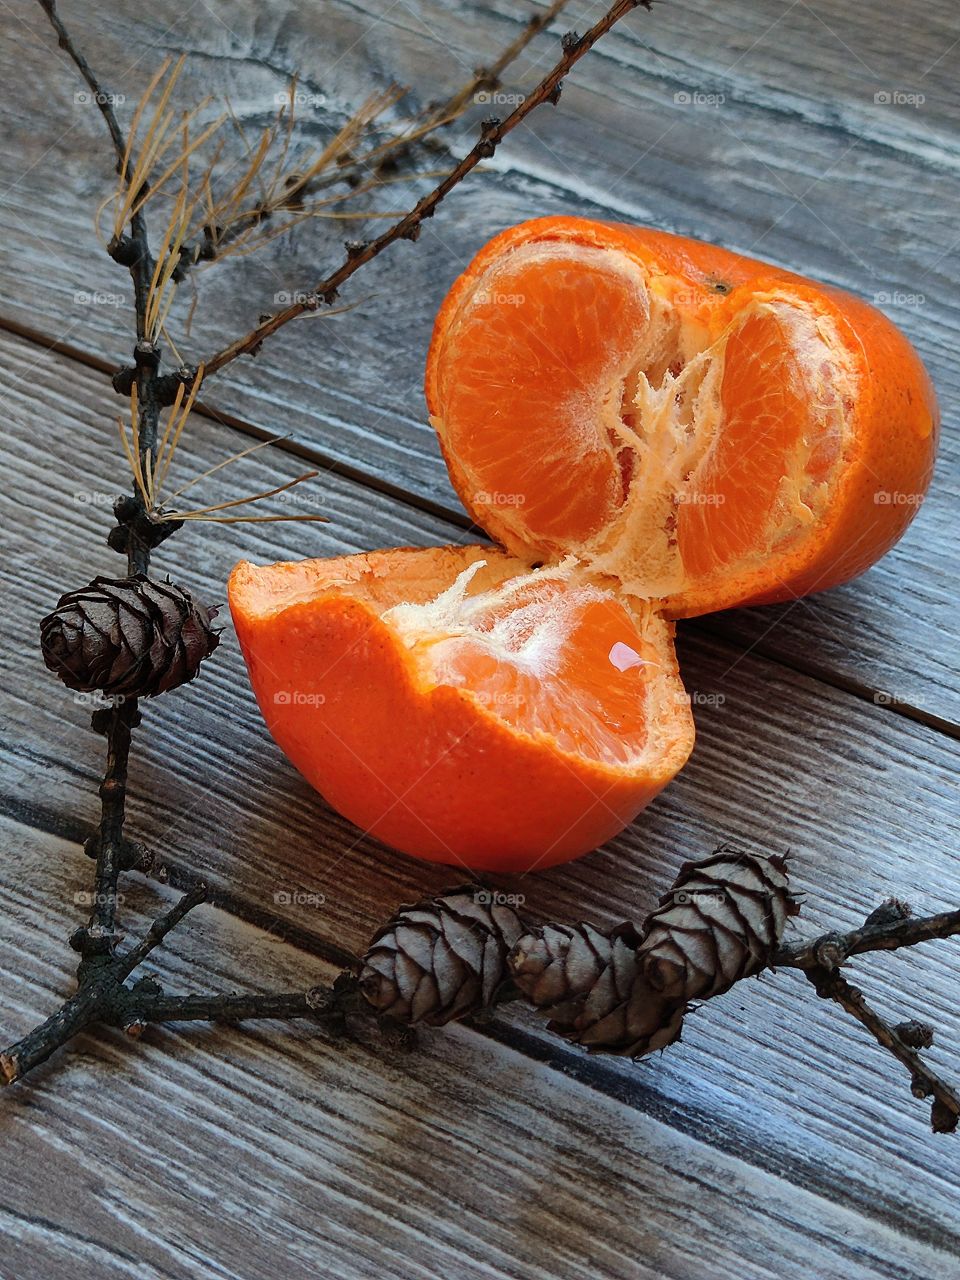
x=650 y=428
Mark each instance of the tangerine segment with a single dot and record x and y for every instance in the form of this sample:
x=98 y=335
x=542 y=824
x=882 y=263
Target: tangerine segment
x=762 y=479
x=707 y=429
x=532 y=404
x=461 y=706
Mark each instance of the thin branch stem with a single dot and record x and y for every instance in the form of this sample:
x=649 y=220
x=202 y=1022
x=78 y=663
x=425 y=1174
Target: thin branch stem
x=831 y=949
x=487 y=78
x=159 y=930
x=36 y=1047
x=888 y=928
x=945 y=1113
x=103 y=99
x=407 y=227
x=218 y=1007
x=117 y=723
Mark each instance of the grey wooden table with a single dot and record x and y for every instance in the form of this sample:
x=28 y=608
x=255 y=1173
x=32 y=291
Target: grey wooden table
x=776 y=1141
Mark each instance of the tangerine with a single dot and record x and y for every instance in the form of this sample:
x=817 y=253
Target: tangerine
x=651 y=428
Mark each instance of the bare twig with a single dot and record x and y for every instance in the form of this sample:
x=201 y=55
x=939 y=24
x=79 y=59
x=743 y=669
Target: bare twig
x=103 y=100
x=831 y=949
x=103 y=994
x=318 y=1003
x=888 y=928
x=159 y=930
x=925 y=1083
x=490 y=78
x=492 y=133
x=104 y=998
x=340 y=162
x=112 y=851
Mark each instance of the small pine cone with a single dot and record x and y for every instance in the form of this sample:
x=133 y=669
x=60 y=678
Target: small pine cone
x=557 y=966
x=127 y=637
x=590 y=984
x=722 y=921
x=442 y=959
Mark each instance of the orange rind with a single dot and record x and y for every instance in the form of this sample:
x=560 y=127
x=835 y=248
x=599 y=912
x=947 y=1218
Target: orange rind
x=651 y=428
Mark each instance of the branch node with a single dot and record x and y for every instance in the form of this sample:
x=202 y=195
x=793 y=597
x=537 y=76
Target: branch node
x=147 y=987
x=124 y=379
x=490 y=137
x=321 y=999
x=830 y=952
x=165 y=387
x=124 y=250
x=134 y=856
x=146 y=355
x=914 y=1034
x=942 y=1118
x=91 y=940
x=888 y=912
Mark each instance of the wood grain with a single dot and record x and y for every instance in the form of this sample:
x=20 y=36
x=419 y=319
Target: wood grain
x=776 y=1140
x=769 y=1076
x=799 y=163
x=242 y=1153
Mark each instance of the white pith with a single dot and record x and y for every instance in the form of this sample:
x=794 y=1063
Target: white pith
x=529 y=636
x=676 y=420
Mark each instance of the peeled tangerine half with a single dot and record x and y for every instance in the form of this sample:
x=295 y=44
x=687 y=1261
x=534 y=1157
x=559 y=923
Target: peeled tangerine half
x=650 y=428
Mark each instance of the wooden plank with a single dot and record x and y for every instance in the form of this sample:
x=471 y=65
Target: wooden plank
x=341 y=1158
x=865 y=798
x=799 y=164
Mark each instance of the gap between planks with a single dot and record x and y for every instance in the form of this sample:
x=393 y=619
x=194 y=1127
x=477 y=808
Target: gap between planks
x=679 y=1106
x=598 y=1074
x=461 y=522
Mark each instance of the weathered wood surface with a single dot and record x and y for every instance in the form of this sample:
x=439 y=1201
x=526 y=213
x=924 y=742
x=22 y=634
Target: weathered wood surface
x=776 y=1140
x=772 y=1077
x=799 y=164
x=240 y=1154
